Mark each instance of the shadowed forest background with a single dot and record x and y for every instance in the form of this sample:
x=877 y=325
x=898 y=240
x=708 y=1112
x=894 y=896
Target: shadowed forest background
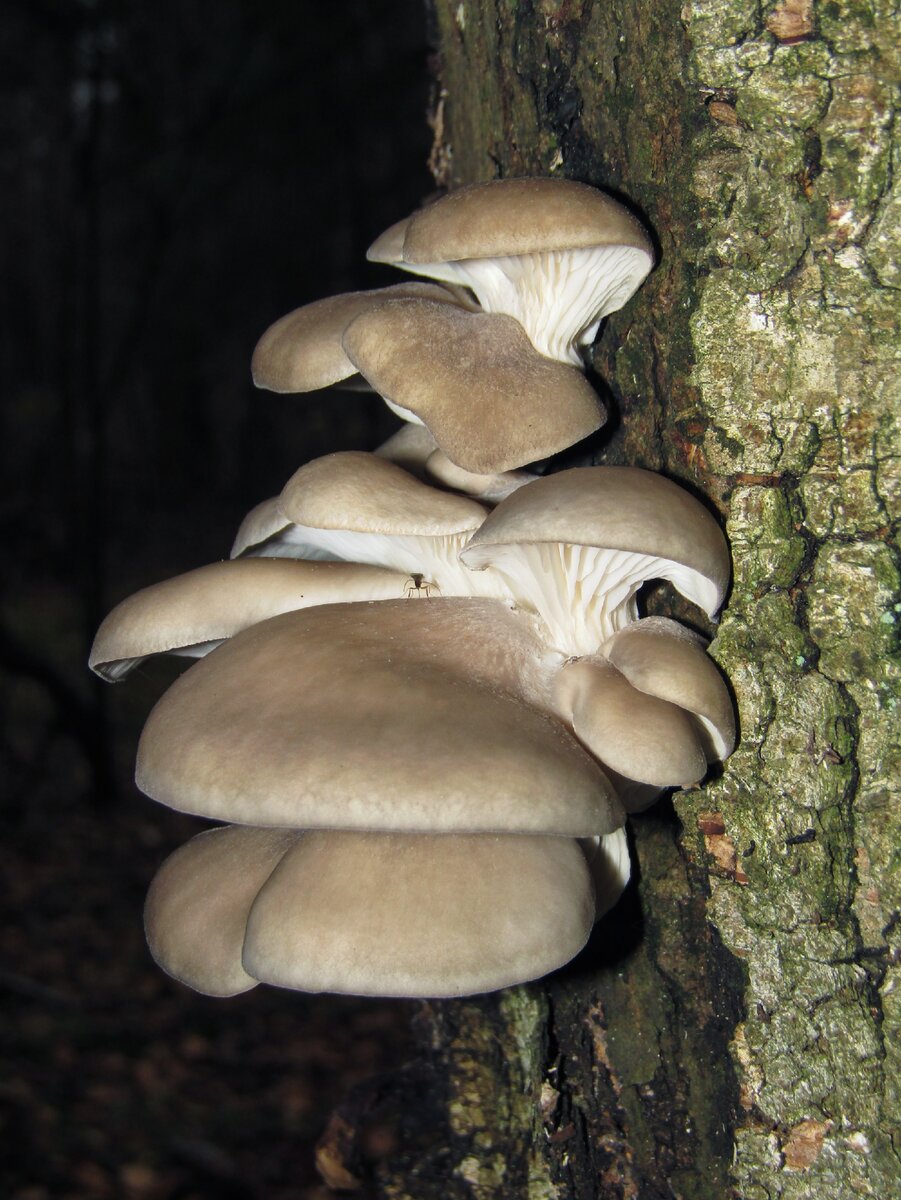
x=173 y=177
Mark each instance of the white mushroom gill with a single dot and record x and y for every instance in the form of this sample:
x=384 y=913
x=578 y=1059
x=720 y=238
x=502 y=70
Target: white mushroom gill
x=582 y=593
x=559 y=297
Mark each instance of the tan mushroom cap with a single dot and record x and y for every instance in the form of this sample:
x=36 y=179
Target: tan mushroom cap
x=264 y=523
x=409 y=448
x=518 y=216
x=489 y=489
x=614 y=508
x=302 y=352
x=197 y=907
x=630 y=732
x=410 y=715
x=402 y=915
x=364 y=493
x=195 y=611
x=490 y=400
x=664 y=659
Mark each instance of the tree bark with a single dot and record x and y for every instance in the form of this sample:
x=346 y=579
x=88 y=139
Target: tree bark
x=732 y=1029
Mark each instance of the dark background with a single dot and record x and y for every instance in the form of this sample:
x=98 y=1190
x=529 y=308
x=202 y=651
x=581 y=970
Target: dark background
x=173 y=176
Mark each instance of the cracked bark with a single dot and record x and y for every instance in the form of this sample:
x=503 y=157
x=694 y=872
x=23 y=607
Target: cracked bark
x=733 y=1028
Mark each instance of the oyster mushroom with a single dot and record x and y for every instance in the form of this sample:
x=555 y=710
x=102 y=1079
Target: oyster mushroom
x=192 y=613
x=430 y=716
x=576 y=546
x=557 y=256
x=489 y=399
x=368 y=914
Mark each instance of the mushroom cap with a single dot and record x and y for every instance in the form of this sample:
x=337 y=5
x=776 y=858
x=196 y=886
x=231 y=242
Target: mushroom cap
x=409 y=715
x=490 y=400
x=664 y=659
x=490 y=488
x=614 y=508
x=630 y=732
x=410 y=448
x=517 y=216
x=363 y=493
x=263 y=524
x=302 y=352
x=197 y=907
x=195 y=611
x=418 y=915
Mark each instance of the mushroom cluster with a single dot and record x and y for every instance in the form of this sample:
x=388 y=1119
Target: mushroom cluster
x=425 y=700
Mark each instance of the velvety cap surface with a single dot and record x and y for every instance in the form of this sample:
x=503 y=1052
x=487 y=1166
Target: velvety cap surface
x=220 y=599
x=368 y=494
x=401 y=915
x=490 y=400
x=519 y=216
x=302 y=351
x=398 y=715
x=197 y=907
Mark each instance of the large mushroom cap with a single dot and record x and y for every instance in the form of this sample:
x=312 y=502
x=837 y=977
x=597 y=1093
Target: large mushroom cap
x=519 y=216
x=302 y=351
x=577 y=545
x=192 y=613
x=197 y=907
x=401 y=915
x=556 y=255
x=489 y=399
x=409 y=715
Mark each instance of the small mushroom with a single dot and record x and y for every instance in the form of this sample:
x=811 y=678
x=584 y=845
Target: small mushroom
x=557 y=256
x=427 y=716
x=664 y=659
x=490 y=400
x=610 y=866
x=632 y=734
x=192 y=613
x=576 y=546
x=489 y=489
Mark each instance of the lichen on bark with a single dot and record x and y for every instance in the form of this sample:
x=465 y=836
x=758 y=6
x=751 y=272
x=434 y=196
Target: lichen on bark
x=737 y=1030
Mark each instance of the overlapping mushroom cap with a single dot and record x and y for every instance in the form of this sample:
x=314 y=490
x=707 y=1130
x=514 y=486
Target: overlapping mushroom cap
x=363 y=508
x=489 y=399
x=576 y=546
x=370 y=914
x=194 y=612
x=430 y=715
x=302 y=352
x=557 y=256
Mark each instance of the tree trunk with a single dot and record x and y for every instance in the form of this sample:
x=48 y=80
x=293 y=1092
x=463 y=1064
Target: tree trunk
x=732 y=1028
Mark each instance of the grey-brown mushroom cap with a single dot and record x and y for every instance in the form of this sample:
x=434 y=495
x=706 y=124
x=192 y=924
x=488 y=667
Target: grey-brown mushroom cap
x=489 y=399
x=630 y=732
x=196 y=911
x=667 y=660
x=302 y=352
x=419 y=916
x=519 y=216
x=615 y=508
x=363 y=493
x=409 y=715
x=191 y=613
x=409 y=448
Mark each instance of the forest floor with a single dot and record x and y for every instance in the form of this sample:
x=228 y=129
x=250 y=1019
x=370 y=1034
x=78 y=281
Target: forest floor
x=117 y=1083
